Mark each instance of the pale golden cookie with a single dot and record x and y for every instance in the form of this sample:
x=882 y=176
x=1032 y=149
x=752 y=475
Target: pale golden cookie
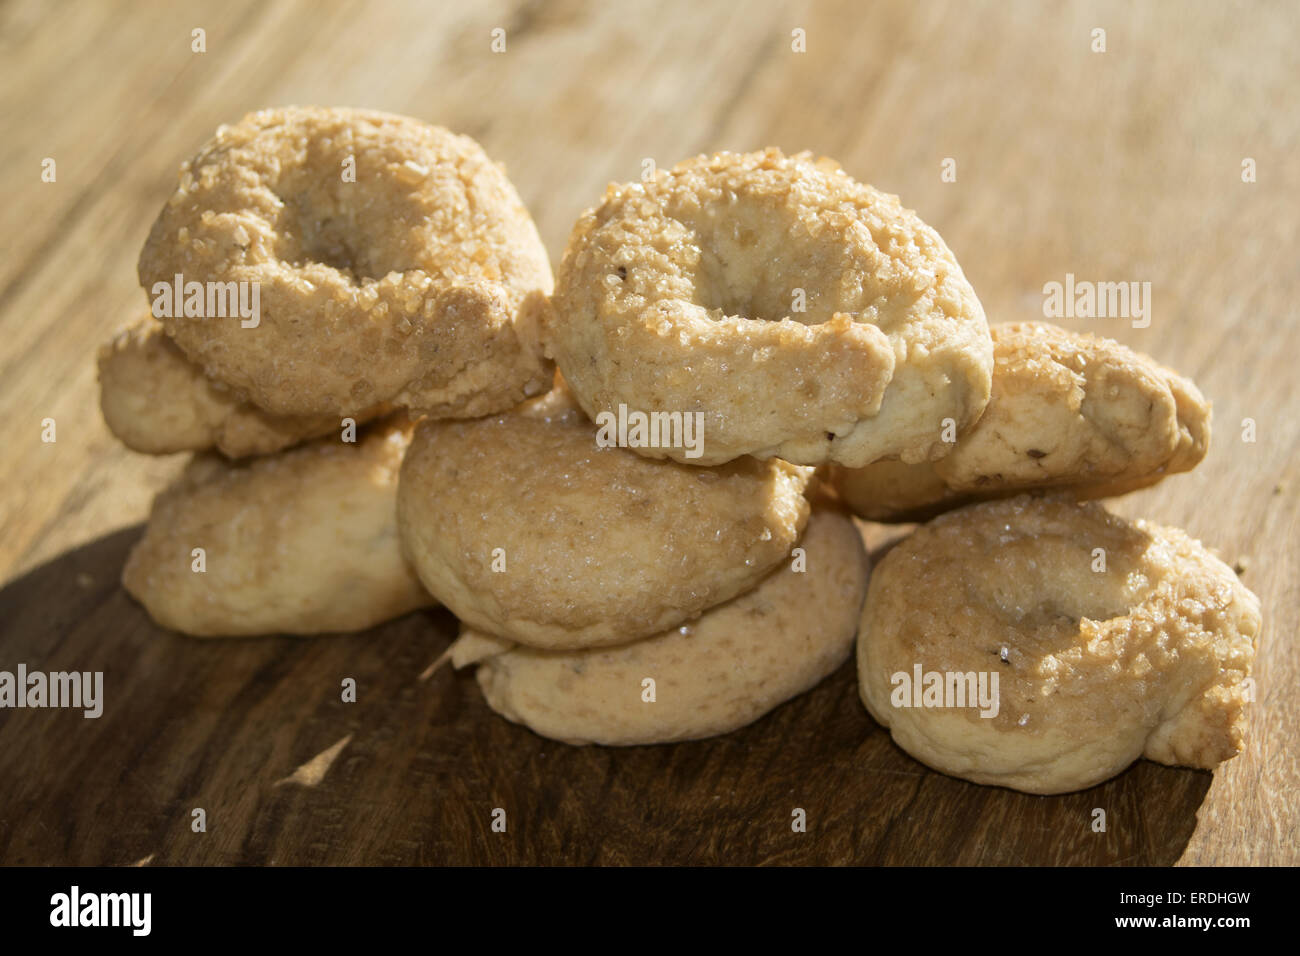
x=1068 y=410
x=1097 y=664
x=524 y=527
x=302 y=542
x=156 y=401
x=393 y=262
x=807 y=316
x=733 y=665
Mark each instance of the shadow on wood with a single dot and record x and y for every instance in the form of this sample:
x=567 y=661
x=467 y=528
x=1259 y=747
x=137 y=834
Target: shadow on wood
x=218 y=725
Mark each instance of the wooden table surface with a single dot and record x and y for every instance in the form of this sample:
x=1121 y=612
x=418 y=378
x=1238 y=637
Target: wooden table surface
x=1122 y=165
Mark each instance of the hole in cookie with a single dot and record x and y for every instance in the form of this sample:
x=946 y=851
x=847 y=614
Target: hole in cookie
x=1048 y=582
x=750 y=266
x=330 y=237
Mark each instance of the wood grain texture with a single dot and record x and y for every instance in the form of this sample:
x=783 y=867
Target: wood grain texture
x=1122 y=166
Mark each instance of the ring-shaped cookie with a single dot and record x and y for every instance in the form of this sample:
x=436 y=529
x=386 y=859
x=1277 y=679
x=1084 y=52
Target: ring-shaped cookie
x=807 y=316
x=391 y=261
x=1044 y=645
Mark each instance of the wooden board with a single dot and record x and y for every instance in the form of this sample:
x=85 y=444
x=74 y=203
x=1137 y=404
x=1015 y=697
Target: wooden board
x=1121 y=166
x=217 y=725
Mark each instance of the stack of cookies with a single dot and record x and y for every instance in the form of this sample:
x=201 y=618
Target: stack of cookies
x=318 y=279
x=654 y=542
x=611 y=598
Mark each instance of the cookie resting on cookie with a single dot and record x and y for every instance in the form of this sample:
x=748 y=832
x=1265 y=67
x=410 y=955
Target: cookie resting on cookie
x=738 y=661
x=301 y=542
x=525 y=527
x=1068 y=410
x=1109 y=640
x=807 y=316
x=157 y=401
x=393 y=262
